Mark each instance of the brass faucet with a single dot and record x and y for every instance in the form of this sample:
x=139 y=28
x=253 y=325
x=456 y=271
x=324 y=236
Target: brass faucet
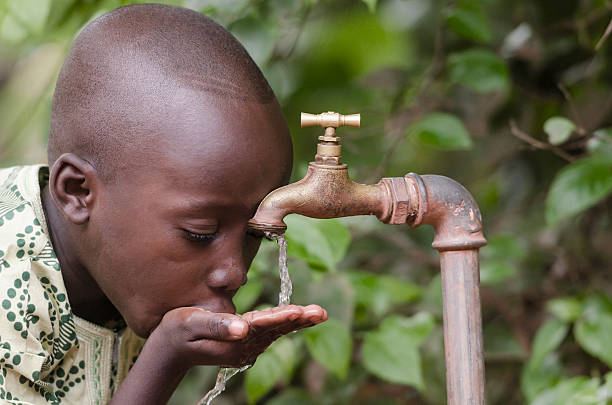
x=327 y=192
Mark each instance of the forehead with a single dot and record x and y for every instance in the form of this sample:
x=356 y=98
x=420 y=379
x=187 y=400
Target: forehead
x=222 y=149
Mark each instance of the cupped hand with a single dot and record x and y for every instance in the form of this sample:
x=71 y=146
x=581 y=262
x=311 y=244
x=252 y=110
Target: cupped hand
x=193 y=336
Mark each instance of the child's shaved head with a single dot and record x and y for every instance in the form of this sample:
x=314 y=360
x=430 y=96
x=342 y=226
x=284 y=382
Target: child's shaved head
x=165 y=137
x=127 y=72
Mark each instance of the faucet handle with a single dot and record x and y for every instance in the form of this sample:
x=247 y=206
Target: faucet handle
x=330 y=119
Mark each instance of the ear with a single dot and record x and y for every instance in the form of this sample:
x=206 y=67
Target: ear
x=74 y=184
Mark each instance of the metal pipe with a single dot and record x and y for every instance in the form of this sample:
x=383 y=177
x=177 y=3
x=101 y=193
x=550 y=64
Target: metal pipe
x=462 y=327
x=457 y=223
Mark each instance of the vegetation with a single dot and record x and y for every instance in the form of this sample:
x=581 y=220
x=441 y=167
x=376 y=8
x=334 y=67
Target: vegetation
x=510 y=98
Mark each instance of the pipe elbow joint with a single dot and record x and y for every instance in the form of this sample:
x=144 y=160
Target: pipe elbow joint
x=453 y=213
x=440 y=202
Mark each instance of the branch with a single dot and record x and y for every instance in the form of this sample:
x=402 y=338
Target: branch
x=539 y=144
x=604 y=36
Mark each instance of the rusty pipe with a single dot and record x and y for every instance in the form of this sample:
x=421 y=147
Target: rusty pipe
x=462 y=327
x=450 y=209
x=457 y=224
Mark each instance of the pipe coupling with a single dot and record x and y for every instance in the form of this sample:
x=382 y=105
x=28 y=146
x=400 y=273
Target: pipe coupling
x=407 y=199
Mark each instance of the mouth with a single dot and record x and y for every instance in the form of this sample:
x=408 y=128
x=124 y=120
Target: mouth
x=222 y=305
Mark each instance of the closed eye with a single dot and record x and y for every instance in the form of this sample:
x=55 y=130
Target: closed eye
x=199 y=237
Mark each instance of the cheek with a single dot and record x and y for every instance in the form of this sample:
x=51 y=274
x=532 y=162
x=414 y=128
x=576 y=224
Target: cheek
x=136 y=256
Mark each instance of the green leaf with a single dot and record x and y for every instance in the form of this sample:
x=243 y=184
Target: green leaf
x=534 y=379
x=479 y=69
x=549 y=337
x=392 y=351
x=273 y=365
x=601 y=143
x=330 y=343
x=432 y=296
x=494 y=272
x=573 y=391
x=577 y=187
x=499 y=258
x=543 y=369
x=247 y=295
x=469 y=22
x=379 y=292
x=558 y=129
x=371 y=5
x=442 y=130
x=593 y=329
x=504 y=247
x=321 y=243
x=566 y=309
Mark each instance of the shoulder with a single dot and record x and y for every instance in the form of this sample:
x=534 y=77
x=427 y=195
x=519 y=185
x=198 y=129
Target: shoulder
x=36 y=326
x=22 y=235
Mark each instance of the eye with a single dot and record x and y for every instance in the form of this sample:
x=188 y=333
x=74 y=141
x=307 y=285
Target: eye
x=199 y=237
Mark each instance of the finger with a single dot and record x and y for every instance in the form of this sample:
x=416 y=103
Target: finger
x=274 y=316
x=284 y=319
x=202 y=324
x=309 y=316
x=268 y=325
x=315 y=314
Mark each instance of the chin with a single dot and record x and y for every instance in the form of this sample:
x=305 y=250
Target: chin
x=143 y=327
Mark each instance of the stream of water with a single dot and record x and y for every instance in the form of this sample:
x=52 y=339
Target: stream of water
x=286 y=288
x=284 y=297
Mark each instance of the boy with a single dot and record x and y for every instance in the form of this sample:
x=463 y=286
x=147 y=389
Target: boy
x=164 y=138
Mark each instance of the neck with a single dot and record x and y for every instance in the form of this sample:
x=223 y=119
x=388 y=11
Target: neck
x=86 y=299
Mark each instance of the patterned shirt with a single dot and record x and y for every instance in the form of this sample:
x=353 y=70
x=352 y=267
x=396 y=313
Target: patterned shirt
x=48 y=355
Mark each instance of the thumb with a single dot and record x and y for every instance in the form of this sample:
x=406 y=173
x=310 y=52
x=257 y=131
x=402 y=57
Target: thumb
x=216 y=326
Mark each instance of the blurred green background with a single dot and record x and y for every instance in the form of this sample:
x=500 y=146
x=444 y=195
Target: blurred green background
x=510 y=98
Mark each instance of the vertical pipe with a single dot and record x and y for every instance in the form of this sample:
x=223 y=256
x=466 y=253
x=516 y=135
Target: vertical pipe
x=462 y=327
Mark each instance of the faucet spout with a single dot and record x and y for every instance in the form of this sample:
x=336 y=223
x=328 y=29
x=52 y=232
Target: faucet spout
x=325 y=192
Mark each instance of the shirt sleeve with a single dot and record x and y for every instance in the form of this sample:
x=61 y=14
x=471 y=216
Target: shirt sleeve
x=26 y=329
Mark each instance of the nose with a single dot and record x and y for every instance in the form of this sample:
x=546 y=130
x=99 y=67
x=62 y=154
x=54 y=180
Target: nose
x=233 y=257
x=227 y=278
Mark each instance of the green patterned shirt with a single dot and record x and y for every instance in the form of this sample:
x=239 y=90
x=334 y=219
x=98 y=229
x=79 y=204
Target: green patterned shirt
x=48 y=355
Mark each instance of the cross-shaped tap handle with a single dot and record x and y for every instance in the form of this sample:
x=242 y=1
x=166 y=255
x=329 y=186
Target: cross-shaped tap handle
x=330 y=119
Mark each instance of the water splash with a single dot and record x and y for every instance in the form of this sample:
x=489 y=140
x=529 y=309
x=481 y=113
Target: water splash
x=222 y=378
x=284 y=297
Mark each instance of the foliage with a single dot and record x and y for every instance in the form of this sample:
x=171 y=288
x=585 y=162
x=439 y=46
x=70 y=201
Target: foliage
x=511 y=98
x=442 y=130
x=384 y=356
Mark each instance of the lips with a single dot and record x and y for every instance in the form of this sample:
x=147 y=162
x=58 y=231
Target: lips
x=218 y=305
